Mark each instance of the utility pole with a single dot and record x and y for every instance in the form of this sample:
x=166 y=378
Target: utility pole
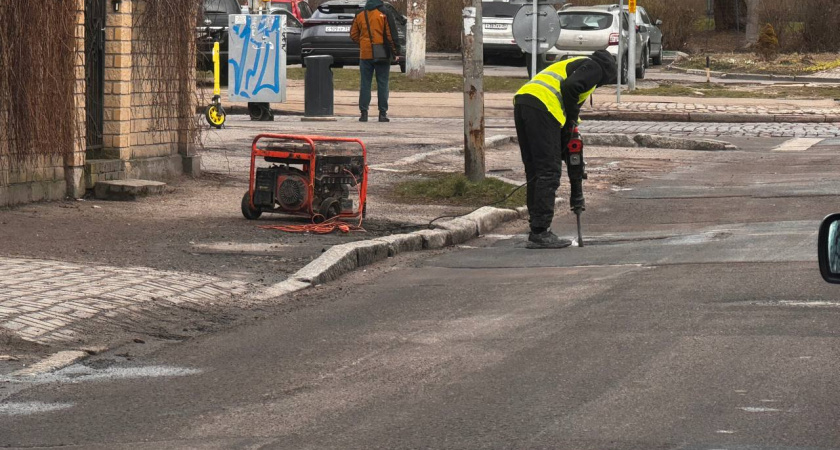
x=472 y=43
x=534 y=38
x=416 y=41
x=631 y=53
x=620 y=56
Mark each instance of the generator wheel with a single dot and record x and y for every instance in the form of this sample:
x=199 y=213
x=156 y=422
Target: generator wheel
x=330 y=208
x=247 y=211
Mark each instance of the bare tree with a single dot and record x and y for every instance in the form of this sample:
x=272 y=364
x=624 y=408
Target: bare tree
x=725 y=14
x=753 y=22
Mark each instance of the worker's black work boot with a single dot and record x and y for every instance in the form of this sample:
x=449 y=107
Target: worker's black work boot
x=546 y=240
x=364 y=117
x=383 y=117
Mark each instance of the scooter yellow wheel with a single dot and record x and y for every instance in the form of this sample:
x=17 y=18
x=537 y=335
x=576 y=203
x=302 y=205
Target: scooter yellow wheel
x=215 y=116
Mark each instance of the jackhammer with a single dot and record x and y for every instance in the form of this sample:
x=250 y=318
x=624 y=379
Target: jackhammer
x=576 y=168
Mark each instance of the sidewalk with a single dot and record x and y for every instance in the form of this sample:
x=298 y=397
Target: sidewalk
x=632 y=108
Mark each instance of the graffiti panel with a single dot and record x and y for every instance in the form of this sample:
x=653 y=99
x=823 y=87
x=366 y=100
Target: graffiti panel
x=257 y=58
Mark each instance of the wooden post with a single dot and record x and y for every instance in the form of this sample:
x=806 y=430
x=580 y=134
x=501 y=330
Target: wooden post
x=416 y=40
x=472 y=43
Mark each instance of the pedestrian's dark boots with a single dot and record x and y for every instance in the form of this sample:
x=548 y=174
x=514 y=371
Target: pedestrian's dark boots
x=546 y=240
x=364 y=117
x=383 y=117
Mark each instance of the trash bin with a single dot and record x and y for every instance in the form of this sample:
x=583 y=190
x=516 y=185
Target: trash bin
x=318 y=90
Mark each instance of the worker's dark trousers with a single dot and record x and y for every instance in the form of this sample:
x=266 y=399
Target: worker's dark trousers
x=540 y=139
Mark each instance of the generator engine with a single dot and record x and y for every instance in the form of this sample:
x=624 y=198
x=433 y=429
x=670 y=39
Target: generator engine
x=327 y=183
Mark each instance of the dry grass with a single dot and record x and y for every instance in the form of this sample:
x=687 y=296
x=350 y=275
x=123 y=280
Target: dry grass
x=787 y=64
x=703 y=90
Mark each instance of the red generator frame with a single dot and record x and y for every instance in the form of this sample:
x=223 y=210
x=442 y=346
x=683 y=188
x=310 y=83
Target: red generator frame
x=328 y=173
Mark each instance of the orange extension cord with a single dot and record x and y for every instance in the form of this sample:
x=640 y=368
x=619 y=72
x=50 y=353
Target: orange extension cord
x=325 y=227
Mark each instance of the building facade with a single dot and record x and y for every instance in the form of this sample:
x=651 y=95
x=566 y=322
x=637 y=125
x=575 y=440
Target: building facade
x=117 y=135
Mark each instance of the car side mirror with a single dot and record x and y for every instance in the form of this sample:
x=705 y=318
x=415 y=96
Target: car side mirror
x=658 y=22
x=828 y=249
x=643 y=28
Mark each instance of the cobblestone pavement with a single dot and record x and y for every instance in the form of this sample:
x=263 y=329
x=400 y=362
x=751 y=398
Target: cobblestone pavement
x=833 y=73
x=815 y=130
x=48 y=302
x=697 y=107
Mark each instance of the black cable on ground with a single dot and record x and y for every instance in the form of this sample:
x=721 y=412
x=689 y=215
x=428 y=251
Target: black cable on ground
x=491 y=204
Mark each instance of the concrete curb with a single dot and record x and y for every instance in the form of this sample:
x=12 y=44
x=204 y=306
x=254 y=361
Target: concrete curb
x=657 y=141
x=345 y=258
x=756 y=76
x=437 y=56
x=491 y=142
x=701 y=117
x=678 y=143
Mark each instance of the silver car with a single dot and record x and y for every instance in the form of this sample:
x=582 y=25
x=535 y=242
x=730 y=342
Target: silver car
x=591 y=28
x=651 y=34
x=498 y=29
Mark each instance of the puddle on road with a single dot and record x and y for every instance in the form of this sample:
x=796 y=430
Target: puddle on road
x=80 y=373
x=27 y=408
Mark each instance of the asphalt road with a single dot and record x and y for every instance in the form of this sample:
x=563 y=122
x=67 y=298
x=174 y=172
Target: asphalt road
x=695 y=319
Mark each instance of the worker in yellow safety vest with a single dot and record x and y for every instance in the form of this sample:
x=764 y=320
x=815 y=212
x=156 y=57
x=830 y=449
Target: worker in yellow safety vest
x=546 y=111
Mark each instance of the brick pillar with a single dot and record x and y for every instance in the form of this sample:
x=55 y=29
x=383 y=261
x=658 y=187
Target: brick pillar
x=118 y=64
x=191 y=160
x=74 y=163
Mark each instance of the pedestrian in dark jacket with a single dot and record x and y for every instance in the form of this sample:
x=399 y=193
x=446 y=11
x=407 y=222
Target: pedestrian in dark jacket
x=546 y=110
x=374 y=26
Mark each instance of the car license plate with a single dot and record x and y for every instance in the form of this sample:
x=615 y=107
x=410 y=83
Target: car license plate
x=338 y=29
x=495 y=26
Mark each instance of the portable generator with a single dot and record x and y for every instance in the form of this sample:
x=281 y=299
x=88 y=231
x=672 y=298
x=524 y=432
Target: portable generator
x=318 y=177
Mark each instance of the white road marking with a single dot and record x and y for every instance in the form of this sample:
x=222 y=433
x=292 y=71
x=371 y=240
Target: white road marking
x=79 y=373
x=53 y=362
x=725 y=432
x=798 y=145
x=27 y=408
x=758 y=409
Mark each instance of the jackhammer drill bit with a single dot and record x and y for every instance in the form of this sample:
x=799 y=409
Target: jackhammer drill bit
x=580 y=232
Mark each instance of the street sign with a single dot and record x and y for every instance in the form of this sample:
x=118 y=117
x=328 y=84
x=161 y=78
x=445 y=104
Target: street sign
x=632 y=6
x=548 y=28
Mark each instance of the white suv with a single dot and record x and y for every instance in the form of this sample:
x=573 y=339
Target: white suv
x=586 y=29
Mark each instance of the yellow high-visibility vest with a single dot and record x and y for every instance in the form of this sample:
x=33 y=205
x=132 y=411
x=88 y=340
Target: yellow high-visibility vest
x=547 y=87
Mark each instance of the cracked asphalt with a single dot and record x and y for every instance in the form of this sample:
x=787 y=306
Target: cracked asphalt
x=694 y=319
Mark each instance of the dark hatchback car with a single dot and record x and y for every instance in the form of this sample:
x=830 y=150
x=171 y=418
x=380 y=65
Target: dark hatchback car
x=327 y=32
x=293 y=32
x=214 y=26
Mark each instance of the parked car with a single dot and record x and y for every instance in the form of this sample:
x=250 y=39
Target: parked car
x=651 y=34
x=212 y=27
x=298 y=8
x=327 y=32
x=586 y=29
x=828 y=249
x=294 y=28
x=498 y=29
